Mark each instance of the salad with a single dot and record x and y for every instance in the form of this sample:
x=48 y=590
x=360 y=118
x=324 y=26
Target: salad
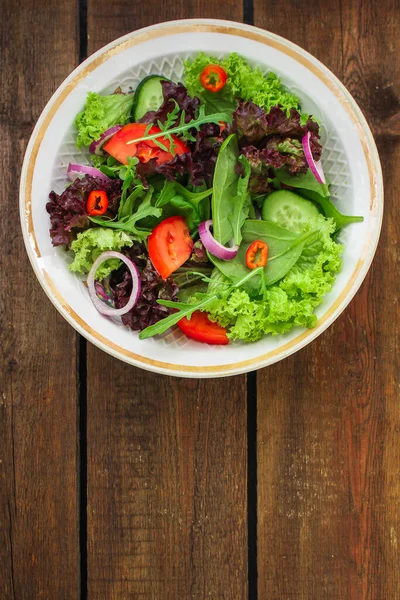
x=205 y=205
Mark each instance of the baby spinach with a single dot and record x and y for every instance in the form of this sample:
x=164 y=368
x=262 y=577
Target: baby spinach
x=284 y=249
x=230 y=200
x=308 y=186
x=175 y=199
x=242 y=202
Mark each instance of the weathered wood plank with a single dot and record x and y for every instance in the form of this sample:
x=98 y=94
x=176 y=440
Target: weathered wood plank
x=166 y=457
x=328 y=445
x=39 y=553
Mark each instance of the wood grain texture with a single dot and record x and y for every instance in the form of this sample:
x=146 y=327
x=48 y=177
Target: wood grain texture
x=39 y=554
x=166 y=487
x=166 y=457
x=329 y=417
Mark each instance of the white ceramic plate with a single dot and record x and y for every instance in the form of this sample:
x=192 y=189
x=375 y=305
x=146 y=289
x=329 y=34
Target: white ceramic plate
x=350 y=161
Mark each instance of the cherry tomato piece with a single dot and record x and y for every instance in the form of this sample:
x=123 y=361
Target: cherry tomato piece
x=118 y=146
x=170 y=245
x=200 y=328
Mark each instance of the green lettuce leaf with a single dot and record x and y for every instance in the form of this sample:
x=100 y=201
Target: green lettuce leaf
x=91 y=243
x=101 y=113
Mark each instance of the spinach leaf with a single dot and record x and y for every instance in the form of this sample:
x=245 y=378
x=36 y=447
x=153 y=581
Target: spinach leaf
x=175 y=199
x=225 y=189
x=309 y=187
x=186 y=293
x=242 y=202
x=167 y=193
x=222 y=101
x=284 y=249
x=183 y=309
x=177 y=205
x=304 y=181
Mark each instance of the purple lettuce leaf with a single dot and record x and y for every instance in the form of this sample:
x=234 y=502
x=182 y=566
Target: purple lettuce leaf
x=254 y=126
x=68 y=213
x=249 y=121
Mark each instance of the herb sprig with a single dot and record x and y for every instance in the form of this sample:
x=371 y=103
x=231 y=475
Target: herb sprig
x=173 y=127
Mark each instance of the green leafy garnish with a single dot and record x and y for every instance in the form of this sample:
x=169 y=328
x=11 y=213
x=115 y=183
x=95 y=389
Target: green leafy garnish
x=284 y=249
x=175 y=199
x=230 y=199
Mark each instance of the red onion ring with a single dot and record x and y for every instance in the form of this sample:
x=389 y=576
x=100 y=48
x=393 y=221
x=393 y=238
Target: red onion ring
x=96 y=147
x=315 y=166
x=74 y=170
x=211 y=244
x=136 y=286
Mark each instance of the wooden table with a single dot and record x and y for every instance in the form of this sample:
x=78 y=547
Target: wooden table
x=116 y=483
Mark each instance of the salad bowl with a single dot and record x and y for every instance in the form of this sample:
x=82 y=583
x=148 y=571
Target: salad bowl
x=350 y=161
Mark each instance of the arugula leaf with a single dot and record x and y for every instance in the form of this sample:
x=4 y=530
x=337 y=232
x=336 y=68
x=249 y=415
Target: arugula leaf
x=185 y=276
x=185 y=310
x=308 y=186
x=127 y=205
x=182 y=128
x=284 y=249
x=129 y=223
x=242 y=202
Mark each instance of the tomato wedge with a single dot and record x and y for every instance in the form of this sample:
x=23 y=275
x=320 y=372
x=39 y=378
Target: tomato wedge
x=118 y=147
x=170 y=245
x=200 y=328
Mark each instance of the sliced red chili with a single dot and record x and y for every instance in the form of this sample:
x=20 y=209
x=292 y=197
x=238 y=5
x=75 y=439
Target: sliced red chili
x=97 y=203
x=213 y=78
x=257 y=254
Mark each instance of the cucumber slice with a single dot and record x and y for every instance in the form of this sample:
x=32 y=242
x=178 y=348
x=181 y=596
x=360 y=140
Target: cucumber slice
x=288 y=210
x=148 y=96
